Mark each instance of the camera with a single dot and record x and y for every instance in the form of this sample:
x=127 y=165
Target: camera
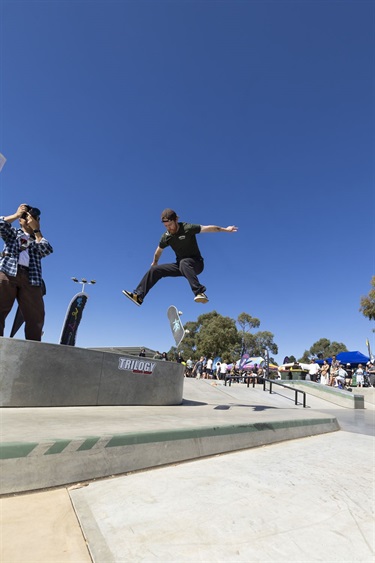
x=34 y=212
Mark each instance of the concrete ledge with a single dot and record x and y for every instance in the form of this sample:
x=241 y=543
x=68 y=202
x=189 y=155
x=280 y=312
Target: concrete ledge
x=26 y=466
x=339 y=397
x=36 y=374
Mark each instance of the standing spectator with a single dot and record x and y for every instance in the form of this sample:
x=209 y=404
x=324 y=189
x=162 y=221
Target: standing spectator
x=142 y=353
x=371 y=373
x=157 y=355
x=349 y=372
x=333 y=372
x=21 y=271
x=164 y=356
x=359 y=373
x=198 y=368
x=324 y=373
x=180 y=359
x=209 y=367
x=223 y=370
x=204 y=374
x=217 y=370
x=314 y=370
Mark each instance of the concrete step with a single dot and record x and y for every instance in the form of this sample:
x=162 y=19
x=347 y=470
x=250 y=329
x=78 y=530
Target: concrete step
x=48 y=447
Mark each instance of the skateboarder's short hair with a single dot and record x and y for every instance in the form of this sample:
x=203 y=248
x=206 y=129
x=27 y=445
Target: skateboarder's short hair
x=168 y=214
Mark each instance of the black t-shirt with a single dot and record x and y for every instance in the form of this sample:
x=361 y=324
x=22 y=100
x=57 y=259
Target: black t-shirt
x=183 y=242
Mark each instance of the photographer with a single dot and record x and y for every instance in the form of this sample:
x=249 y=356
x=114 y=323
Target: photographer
x=371 y=373
x=21 y=271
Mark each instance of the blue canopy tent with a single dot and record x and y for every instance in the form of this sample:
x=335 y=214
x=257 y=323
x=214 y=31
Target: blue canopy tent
x=352 y=358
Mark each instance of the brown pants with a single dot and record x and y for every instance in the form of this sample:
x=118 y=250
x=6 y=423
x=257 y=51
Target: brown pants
x=30 y=301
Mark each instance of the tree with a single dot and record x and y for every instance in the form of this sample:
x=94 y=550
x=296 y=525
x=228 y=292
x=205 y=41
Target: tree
x=256 y=343
x=247 y=322
x=368 y=303
x=263 y=340
x=211 y=335
x=323 y=348
x=216 y=335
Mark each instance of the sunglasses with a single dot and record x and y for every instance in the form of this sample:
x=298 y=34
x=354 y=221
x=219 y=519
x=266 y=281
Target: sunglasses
x=166 y=220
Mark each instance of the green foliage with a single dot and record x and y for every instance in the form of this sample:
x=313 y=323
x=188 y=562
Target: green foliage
x=323 y=348
x=257 y=342
x=247 y=322
x=368 y=303
x=173 y=353
x=263 y=340
x=215 y=335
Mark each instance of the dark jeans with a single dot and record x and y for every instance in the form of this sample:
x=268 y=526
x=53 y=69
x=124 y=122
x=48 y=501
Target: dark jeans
x=30 y=301
x=187 y=267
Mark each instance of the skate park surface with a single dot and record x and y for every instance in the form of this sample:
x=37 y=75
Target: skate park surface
x=231 y=474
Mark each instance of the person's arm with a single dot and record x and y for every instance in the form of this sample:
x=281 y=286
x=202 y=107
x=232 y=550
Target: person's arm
x=21 y=209
x=216 y=229
x=34 y=224
x=158 y=253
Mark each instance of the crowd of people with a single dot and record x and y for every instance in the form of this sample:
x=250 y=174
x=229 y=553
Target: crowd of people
x=204 y=368
x=342 y=376
x=332 y=374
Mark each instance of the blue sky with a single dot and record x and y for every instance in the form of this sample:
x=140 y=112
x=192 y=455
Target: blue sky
x=258 y=114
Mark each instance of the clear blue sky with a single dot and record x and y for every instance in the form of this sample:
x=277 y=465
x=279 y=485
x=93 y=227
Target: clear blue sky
x=258 y=114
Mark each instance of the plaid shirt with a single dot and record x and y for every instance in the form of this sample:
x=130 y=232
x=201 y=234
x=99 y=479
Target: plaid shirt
x=12 y=248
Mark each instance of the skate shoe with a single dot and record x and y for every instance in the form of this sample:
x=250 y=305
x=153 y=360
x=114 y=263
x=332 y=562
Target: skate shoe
x=133 y=297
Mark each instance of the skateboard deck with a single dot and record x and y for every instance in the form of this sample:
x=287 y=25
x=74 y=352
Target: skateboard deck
x=176 y=325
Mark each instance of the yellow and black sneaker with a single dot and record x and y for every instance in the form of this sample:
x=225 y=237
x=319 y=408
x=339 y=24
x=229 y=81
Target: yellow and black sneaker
x=201 y=298
x=133 y=297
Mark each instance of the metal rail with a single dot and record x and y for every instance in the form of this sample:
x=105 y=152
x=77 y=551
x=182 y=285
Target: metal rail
x=238 y=378
x=231 y=378
x=296 y=391
x=253 y=378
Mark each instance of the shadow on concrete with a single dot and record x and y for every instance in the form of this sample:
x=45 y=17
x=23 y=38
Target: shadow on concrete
x=187 y=403
x=253 y=407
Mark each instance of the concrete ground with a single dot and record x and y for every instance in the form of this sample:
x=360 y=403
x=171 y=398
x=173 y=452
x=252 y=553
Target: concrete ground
x=308 y=499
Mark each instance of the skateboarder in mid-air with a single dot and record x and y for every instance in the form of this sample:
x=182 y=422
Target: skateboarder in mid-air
x=181 y=237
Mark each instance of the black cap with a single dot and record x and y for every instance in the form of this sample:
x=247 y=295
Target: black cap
x=168 y=214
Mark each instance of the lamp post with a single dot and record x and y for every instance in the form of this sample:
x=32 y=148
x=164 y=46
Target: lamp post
x=74 y=314
x=267 y=358
x=84 y=282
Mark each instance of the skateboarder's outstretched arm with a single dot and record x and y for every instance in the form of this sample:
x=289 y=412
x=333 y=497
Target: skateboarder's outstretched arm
x=215 y=229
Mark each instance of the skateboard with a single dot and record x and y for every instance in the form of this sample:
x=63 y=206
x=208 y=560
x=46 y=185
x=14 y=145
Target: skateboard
x=176 y=325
